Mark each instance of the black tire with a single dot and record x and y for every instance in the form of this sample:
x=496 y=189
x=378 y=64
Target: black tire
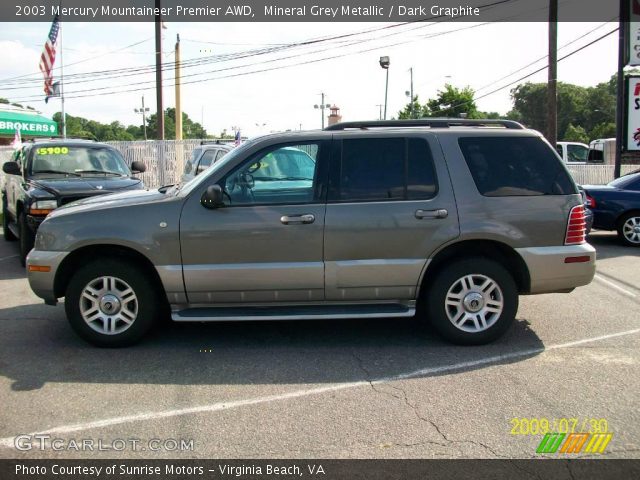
x=8 y=234
x=438 y=311
x=624 y=238
x=27 y=238
x=149 y=306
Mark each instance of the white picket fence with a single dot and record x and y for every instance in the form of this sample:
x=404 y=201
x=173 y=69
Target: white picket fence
x=165 y=161
x=597 y=174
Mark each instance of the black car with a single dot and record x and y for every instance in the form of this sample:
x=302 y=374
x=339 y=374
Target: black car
x=616 y=206
x=44 y=175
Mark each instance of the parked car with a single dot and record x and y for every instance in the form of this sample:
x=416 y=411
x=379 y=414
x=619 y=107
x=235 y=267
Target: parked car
x=573 y=153
x=449 y=220
x=203 y=157
x=616 y=206
x=47 y=174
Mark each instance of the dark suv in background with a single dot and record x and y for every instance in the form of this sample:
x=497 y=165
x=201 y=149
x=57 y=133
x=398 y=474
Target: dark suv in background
x=447 y=219
x=47 y=174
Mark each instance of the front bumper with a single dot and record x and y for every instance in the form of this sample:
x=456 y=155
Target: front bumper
x=42 y=283
x=550 y=273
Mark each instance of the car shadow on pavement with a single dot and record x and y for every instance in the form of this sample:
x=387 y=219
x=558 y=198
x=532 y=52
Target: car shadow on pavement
x=608 y=245
x=37 y=346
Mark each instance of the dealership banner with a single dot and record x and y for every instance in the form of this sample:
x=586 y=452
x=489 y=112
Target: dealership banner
x=632 y=140
x=296 y=11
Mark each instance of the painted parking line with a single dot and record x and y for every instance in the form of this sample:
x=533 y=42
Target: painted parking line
x=7 y=258
x=615 y=286
x=8 y=442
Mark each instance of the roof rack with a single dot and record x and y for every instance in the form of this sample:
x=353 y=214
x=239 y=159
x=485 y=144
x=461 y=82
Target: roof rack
x=427 y=122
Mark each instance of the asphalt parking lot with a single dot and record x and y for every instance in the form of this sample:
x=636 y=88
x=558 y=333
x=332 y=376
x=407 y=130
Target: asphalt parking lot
x=342 y=389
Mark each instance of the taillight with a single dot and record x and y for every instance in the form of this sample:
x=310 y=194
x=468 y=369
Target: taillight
x=576 y=227
x=591 y=202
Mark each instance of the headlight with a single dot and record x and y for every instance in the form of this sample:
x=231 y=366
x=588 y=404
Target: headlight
x=43 y=207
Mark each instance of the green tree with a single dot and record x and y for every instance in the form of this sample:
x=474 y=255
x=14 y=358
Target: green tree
x=411 y=110
x=575 y=134
x=190 y=129
x=451 y=102
x=603 y=130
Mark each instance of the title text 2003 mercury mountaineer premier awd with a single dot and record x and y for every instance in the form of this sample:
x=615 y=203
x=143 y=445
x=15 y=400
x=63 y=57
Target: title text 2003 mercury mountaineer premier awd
x=448 y=220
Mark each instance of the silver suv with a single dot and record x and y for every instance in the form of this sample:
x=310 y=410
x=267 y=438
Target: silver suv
x=448 y=220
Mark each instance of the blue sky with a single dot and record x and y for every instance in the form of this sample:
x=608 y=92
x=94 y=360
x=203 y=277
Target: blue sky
x=476 y=55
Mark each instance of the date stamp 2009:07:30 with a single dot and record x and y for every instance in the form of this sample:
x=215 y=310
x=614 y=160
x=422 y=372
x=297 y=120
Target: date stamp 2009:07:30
x=566 y=435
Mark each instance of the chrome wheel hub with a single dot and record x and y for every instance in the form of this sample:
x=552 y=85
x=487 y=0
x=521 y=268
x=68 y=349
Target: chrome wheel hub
x=108 y=305
x=631 y=229
x=474 y=303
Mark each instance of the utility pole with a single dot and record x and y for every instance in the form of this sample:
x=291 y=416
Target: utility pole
x=322 y=106
x=622 y=60
x=143 y=111
x=178 y=105
x=552 y=85
x=159 y=106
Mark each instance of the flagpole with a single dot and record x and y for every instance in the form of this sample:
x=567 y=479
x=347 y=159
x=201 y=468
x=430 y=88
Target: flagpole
x=64 y=117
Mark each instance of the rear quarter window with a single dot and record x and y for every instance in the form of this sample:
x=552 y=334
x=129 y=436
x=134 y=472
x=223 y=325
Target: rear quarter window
x=515 y=166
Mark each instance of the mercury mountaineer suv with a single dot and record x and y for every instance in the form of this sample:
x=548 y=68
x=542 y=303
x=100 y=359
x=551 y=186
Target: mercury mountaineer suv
x=449 y=220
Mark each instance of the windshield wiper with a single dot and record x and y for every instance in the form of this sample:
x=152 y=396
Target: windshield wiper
x=58 y=172
x=99 y=171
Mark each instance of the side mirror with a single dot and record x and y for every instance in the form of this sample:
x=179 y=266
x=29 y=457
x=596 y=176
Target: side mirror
x=11 y=168
x=138 y=167
x=212 y=198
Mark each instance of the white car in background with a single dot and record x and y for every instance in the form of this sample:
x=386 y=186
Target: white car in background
x=573 y=153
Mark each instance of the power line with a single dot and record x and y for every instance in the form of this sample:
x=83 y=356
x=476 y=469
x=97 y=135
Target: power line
x=214 y=59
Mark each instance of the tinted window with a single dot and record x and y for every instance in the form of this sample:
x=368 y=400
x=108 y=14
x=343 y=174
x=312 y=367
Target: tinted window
x=385 y=169
x=514 y=166
x=189 y=167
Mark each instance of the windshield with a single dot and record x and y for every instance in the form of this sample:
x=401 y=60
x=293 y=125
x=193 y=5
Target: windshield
x=77 y=161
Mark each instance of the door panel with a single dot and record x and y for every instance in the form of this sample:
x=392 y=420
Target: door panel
x=376 y=250
x=253 y=251
x=247 y=254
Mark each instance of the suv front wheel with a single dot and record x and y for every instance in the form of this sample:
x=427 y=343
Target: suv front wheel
x=110 y=303
x=472 y=301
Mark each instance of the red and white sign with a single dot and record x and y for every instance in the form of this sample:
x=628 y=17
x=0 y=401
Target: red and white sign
x=633 y=114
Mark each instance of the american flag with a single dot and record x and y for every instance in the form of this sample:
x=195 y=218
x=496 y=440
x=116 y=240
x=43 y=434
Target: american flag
x=48 y=56
x=238 y=138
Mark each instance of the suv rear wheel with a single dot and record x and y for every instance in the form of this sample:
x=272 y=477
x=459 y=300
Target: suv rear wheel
x=110 y=303
x=472 y=301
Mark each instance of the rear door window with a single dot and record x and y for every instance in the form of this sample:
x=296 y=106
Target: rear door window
x=379 y=169
x=515 y=166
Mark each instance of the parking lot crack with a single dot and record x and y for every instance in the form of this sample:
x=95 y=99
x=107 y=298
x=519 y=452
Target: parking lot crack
x=403 y=396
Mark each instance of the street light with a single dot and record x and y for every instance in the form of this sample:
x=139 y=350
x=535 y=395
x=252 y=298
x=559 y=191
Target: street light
x=384 y=63
x=143 y=111
x=322 y=107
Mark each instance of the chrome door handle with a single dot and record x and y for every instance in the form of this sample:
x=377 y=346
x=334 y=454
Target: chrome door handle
x=297 y=219
x=439 y=214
